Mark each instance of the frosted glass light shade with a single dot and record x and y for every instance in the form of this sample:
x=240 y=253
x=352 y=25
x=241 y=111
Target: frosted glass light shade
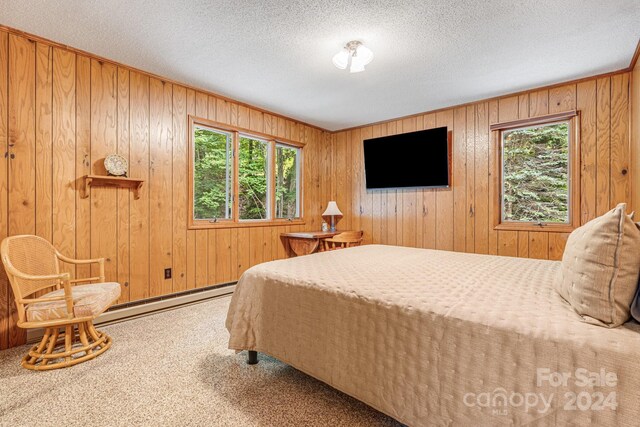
x=341 y=59
x=356 y=65
x=364 y=55
x=332 y=209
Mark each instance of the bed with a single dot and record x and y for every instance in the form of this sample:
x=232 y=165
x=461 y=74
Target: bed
x=440 y=338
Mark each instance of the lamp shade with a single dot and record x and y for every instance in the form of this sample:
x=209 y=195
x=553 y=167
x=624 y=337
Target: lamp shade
x=332 y=209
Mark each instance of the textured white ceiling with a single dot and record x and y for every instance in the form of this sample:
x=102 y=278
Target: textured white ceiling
x=277 y=54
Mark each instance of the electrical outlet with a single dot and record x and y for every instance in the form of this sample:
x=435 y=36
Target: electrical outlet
x=167 y=273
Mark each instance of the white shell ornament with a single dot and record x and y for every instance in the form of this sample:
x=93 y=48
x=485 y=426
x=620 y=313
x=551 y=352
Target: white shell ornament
x=116 y=165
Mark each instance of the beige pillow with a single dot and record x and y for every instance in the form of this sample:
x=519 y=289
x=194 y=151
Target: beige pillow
x=600 y=268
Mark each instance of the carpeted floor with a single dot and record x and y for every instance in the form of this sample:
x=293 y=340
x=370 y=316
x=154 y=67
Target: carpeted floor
x=174 y=369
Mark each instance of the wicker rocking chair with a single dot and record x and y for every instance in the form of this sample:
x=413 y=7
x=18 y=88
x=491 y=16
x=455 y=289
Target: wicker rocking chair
x=67 y=312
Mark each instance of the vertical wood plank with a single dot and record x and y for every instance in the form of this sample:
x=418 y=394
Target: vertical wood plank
x=539 y=244
x=211 y=256
x=83 y=162
x=620 y=149
x=444 y=198
x=242 y=248
x=481 y=211
x=22 y=144
x=222 y=111
x=122 y=194
x=378 y=212
x=5 y=293
x=562 y=98
x=523 y=244
x=508 y=243
x=160 y=184
x=256 y=249
x=366 y=198
x=266 y=244
x=493 y=170
x=64 y=136
x=459 y=179
x=586 y=103
x=139 y=168
x=470 y=204
x=523 y=106
x=180 y=188
x=340 y=178
x=44 y=147
x=347 y=200
x=223 y=264
x=557 y=243
x=603 y=152
x=22 y=135
x=256 y=120
x=390 y=224
x=429 y=216
x=191 y=234
x=538 y=103
x=104 y=107
x=508 y=109
x=244 y=117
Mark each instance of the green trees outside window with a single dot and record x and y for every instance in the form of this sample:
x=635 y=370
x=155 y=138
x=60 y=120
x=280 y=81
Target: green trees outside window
x=213 y=171
x=253 y=171
x=238 y=177
x=535 y=174
x=287 y=170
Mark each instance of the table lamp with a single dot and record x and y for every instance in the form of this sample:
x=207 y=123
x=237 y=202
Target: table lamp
x=332 y=211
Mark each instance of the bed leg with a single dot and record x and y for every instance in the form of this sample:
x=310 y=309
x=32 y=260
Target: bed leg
x=252 y=357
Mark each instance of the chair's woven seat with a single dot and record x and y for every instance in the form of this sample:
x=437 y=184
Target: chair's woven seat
x=88 y=300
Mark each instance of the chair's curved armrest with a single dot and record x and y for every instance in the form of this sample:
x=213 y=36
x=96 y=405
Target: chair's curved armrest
x=99 y=261
x=79 y=261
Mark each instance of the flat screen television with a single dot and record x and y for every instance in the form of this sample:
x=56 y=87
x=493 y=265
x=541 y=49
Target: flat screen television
x=415 y=159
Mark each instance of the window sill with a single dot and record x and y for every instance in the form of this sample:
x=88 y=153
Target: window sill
x=203 y=225
x=530 y=226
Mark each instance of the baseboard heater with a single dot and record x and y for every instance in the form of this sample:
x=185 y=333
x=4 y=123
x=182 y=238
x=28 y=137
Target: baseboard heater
x=132 y=310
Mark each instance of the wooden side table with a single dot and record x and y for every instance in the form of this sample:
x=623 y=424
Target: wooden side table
x=304 y=243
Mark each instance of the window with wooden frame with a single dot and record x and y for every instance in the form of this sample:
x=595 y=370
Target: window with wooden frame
x=242 y=178
x=538 y=180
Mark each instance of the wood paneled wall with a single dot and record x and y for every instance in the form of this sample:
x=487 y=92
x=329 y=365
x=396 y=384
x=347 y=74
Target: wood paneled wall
x=460 y=218
x=62 y=112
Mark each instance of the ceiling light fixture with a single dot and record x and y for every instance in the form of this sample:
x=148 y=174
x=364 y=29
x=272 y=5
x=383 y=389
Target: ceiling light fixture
x=354 y=55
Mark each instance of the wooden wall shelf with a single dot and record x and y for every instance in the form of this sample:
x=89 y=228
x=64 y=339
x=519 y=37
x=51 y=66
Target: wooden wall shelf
x=110 y=181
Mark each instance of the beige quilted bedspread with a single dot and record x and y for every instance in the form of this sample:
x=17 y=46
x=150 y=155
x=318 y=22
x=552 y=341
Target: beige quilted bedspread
x=440 y=338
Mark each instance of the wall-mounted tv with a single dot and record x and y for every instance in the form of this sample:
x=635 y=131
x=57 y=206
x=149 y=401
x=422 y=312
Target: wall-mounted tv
x=415 y=159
